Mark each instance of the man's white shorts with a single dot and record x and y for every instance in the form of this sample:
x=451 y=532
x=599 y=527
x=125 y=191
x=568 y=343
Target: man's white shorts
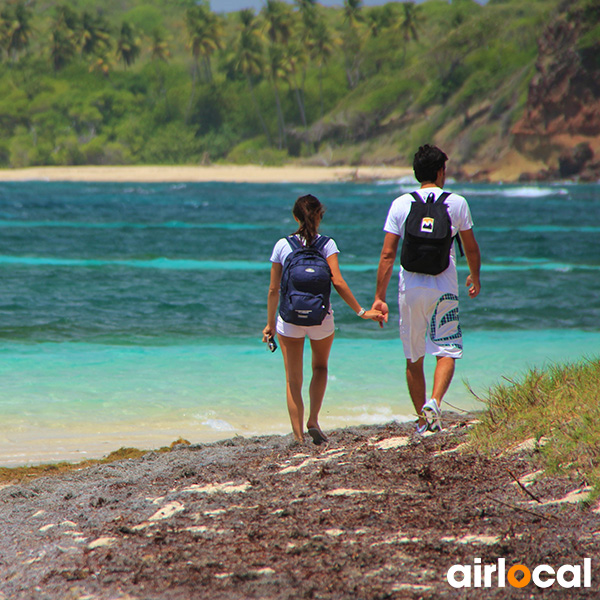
x=429 y=324
x=314 y=332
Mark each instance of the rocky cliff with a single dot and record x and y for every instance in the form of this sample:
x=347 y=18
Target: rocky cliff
x=561 y=124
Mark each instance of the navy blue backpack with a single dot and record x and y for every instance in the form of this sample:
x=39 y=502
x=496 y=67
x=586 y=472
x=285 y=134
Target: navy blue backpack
x=305 y=283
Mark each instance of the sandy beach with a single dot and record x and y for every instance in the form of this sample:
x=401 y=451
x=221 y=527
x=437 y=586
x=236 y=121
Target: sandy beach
x=222 y=173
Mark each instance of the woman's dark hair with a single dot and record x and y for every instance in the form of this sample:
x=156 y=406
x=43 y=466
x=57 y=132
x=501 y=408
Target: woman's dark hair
x=427 y=162
x=309 y=211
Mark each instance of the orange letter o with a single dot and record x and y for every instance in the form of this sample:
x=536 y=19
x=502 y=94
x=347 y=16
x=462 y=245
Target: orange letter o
x=510 y=576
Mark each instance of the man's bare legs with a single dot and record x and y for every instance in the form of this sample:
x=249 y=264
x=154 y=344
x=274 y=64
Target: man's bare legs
x=415 y=378
x=442 y=378
x=293 y=353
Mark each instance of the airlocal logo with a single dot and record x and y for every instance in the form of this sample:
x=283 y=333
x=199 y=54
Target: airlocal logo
x=543 y=576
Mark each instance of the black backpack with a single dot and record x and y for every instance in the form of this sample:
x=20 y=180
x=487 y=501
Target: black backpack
x=427 y=236
x=305 y=283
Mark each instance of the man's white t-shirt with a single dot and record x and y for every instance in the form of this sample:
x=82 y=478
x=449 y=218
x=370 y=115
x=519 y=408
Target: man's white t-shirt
x=460 y=215
x=283 y=249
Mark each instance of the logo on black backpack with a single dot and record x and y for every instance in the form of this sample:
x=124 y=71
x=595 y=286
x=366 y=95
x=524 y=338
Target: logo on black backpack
x=427 y=236
x=427 y=224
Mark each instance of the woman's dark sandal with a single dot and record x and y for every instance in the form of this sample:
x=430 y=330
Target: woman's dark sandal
x=317 y=436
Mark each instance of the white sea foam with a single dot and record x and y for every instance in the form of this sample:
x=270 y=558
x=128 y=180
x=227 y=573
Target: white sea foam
x=534 y=192
x=406 y=180
x=371 y=415
x=518 y=192
x=219 y=425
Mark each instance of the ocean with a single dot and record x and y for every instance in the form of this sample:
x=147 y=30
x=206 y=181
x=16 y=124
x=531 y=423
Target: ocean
x=131 y=314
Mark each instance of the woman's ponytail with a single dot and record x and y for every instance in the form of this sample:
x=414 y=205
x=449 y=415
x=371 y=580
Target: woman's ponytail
x=309 y=212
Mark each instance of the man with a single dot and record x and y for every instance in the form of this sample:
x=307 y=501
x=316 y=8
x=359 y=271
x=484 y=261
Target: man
x=428 y=303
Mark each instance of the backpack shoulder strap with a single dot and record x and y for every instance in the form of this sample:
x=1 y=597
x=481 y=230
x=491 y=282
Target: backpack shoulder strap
x=320 y=242
x=459 y=244
x=417 y=196
x=293 y=242
x=442 y=197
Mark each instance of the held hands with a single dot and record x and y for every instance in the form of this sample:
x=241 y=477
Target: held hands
x=382 y=308
x=382 y=311
x=375 y=315
x=474 y=286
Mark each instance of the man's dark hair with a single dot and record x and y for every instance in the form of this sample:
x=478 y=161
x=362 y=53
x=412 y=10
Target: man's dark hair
x=428 y=161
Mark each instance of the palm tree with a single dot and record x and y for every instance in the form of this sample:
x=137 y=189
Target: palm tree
x=308 y=23
x=322 y=49
x=352 y=40
x=308 y=11
x=101 y=64
x=279 y=24
x=94 y=34
x=205 y=32
x=380 y=18
x=19 y=28
x=128 y=45
x=64 y=37
x=4 y=28
x=277 y=70
x=296 y=58
x=159 y=49
x=62 y=47
x=278 y=21
x=382 y=34
x=66 y=17
x=352 y=12
x=411 y=22
x=160 y=52
x=410 y=25
x=248 y=58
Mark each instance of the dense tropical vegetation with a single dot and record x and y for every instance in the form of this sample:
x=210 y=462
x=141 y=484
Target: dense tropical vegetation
x=172 y=81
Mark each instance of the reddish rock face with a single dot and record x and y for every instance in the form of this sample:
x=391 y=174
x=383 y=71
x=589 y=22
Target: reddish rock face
x=561 y=124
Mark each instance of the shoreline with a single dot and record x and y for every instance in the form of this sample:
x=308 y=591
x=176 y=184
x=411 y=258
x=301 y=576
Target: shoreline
x=205 y=174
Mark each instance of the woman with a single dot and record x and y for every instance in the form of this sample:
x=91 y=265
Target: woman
x=308 y=212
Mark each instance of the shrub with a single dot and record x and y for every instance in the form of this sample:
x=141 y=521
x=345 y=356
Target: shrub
x=172 y=144
x=254 y=151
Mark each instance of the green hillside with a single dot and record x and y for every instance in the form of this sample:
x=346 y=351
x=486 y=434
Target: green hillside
x=172 y=82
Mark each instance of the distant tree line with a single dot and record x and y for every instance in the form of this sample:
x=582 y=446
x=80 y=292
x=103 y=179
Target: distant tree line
x=136 y=86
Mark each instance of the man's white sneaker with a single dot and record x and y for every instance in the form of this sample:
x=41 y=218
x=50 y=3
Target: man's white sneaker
x=422 y=429
x=433 y=415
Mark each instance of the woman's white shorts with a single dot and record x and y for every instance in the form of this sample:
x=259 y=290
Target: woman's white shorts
x=313 y=332
x=429 y=324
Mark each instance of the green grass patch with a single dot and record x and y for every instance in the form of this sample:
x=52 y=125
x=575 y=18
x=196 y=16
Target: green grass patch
x=558 y=407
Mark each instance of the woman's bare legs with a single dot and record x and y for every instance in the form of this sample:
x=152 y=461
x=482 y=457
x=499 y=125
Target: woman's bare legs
x=293 y=350
x=293 y=354
x=318 y=383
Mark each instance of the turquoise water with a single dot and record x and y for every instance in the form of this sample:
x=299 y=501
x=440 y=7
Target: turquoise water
x=131 y=314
